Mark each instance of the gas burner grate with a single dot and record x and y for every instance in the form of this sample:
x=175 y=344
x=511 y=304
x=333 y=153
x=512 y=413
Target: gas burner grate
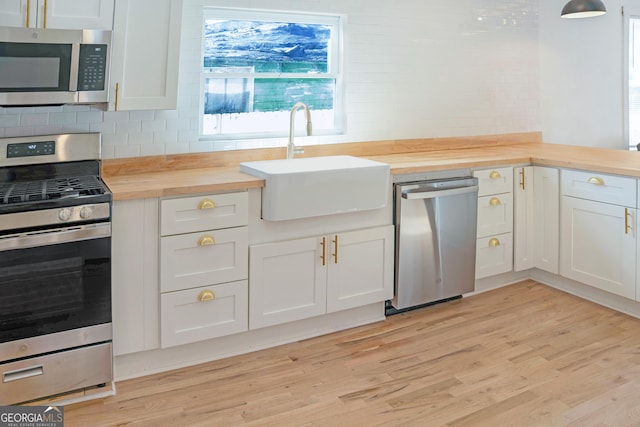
x=33 y=191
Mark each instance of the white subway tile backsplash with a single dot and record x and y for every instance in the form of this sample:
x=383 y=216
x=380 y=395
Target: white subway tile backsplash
x=152 y=150
x=153 y=125
x=166 y=137
x=140 y=138
x=62 y=118
x=413 y=69
x=34 y=119
x=102 y=127
x=127 y=151
x=141 y=115
x=11 y=120
x=89 y=117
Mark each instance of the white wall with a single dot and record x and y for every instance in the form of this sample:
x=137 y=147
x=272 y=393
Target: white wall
x=581 y=86
x=414 y=68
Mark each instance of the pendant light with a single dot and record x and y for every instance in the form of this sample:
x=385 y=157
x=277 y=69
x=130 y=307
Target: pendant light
x=583 y=9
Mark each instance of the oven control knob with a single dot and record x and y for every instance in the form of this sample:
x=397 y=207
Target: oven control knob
x=86 y=212
x=64 y=214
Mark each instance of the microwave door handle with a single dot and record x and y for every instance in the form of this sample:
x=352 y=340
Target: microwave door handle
x=75 y=60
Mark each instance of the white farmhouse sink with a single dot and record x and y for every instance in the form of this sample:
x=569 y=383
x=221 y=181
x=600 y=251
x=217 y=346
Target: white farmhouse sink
x=315 y=186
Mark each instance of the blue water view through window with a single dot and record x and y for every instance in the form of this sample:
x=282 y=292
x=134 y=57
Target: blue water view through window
x=255 y=69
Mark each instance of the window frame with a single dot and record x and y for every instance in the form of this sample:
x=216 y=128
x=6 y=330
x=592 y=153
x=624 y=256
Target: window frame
x=628 y=13
x=334 y=67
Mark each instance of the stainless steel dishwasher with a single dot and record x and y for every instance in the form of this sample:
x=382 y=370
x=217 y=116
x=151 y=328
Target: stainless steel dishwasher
x=435 y=240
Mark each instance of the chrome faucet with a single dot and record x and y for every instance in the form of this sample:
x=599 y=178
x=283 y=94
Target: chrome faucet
x=291 y=148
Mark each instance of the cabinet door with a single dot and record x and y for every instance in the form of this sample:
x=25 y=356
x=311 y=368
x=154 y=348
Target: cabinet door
x=287 y=281
x=360 y=268
x=134 y=262
x=18 y=13
x=495 y=214
x=546 y=194
x=597 y=246
x=523 y=218
x=76 y=14
x=145 y=55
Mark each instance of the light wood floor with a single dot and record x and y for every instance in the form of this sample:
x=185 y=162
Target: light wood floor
x=524 y=355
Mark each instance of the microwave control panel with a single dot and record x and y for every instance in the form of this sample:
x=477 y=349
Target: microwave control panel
x=92 y=69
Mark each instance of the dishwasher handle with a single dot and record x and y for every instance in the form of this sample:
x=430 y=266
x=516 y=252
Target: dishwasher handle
x=420 y=193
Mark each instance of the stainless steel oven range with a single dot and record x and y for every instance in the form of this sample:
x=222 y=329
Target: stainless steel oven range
x=55 y=267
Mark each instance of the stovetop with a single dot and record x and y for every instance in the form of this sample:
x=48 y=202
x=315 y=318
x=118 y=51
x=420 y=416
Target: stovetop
x=33 y=191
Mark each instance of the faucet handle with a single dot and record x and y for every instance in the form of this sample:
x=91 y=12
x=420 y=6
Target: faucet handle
x=298 y=150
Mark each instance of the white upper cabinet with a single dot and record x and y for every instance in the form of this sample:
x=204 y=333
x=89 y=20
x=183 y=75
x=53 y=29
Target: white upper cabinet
x=60 y=14
x=145 y=55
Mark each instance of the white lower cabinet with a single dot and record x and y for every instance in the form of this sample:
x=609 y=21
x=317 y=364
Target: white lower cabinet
x=494 y=244
x=297 y=279
x=134 y=247
x=202 y=313
x=203 y=267
x=598 y=245
x=546 y=218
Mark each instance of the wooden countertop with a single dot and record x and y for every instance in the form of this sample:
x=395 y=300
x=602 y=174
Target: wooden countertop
x=173 y=178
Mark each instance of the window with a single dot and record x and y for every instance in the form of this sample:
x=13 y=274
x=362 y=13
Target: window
x=632 y=73
x=257 y=65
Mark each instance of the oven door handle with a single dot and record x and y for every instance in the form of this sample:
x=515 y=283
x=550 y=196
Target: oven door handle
x=51 y=237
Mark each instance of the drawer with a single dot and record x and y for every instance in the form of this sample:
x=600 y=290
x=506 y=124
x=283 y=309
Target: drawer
x=204 y=313
x=494 y=255
x=207 y=212
x=599 y=187
x=494 y=181
x=62 y=372
x=205 y=258
x=495 y=214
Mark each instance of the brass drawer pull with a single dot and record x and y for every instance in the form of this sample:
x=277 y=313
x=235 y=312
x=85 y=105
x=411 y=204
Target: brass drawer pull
x=596 y=180
x=495 y=175
x=206 y=295
x=495 y=202
x=323 y=257
x=494 y=242
x=206 y=204
x=206 y=241
x=626 y=221
x=335 y=247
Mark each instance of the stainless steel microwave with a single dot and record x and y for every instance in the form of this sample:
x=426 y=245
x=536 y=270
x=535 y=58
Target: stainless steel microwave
x=53 y=67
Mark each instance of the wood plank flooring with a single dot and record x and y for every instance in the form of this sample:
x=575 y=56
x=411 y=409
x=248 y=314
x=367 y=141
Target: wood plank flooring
x=523 y=355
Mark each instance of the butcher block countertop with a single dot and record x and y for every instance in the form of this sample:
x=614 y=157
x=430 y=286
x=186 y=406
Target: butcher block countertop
x=165 y=176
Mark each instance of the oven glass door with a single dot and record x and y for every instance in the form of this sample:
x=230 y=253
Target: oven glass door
x=61 y=285
x=35 y=67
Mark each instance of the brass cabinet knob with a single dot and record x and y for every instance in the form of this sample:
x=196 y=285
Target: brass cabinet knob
x=495 y=175
x=596 y=180
x=494 y=242
x=206 y=241
x=495 y=201
x=206 y=295
x=206 y=204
